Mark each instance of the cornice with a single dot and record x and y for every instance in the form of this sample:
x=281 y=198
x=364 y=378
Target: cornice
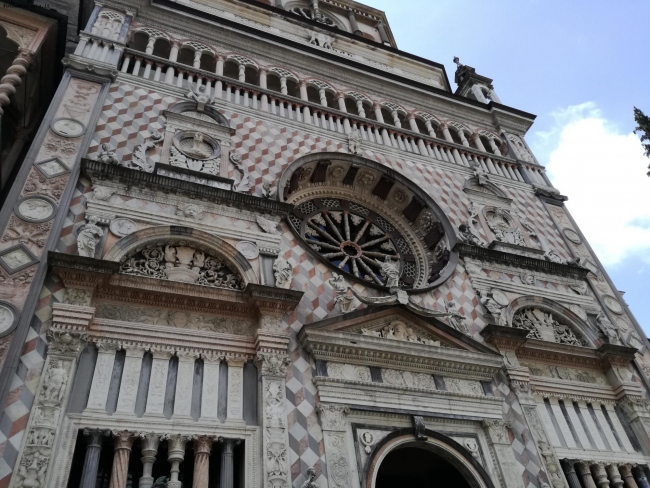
x=492 y=255
x=370 y=351
x=95 y=169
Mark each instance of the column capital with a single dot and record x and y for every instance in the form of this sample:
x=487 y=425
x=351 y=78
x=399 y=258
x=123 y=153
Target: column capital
x=150 y=441
x=332 y=417
x=95 y=436
x=236 y=361
x=161 y=352
x=123 y=439
x=272 y=364
x=497 y=431
x=65 y=342
x=203 y=444
x=188 y=355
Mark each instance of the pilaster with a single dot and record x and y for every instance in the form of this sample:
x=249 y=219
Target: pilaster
x=66 y=340
x=499 y=440
x=332 y=418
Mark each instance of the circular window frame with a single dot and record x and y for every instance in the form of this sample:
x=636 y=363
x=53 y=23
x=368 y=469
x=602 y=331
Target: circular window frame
x=388 y=208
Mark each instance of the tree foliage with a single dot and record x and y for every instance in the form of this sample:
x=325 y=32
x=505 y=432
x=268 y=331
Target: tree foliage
x=643 y=128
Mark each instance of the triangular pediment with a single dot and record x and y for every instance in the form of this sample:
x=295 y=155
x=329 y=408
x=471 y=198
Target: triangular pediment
x=399 y=326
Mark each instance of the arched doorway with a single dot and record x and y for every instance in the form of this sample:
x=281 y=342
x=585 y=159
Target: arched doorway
x=401 y=460
x=417 y=468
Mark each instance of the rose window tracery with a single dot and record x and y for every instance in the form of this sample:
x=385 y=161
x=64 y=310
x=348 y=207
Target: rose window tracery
x=545 y=326
x=182 y=261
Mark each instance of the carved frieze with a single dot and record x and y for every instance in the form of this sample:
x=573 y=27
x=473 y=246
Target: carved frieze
x=175 y=318
x=546 y=326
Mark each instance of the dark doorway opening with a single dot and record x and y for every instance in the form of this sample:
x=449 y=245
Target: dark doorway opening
x=417 y=468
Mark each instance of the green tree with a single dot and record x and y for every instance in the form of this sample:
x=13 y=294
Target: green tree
x=643 y=127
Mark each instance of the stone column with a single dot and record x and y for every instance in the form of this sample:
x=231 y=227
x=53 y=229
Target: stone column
x=175 y=456
x=499 y=439
x=66 y=338
x=202 y=448
x=14 y=77
x=184 y=383
x=122 y=442
x=91 y=461
x=235 y=389
x=210 y=393
x=158 y=382
x=130 y=380
x=615 y=479
x=149 y=450
x=640 y=477
x=585 y=474
x=570 y=473
x=600 y=475
x=102 y=376
x=227 y=478
x=628 y=477
x=332 y=419
x=272 y=368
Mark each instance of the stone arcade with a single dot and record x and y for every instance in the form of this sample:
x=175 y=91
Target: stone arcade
x=253 y=244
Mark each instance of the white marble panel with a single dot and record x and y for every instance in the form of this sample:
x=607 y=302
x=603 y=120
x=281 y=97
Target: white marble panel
x=210 y=395
x=101 y=380
x=130 y=381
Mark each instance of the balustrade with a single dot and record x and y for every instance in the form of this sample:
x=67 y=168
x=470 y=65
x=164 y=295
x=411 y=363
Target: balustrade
x=225 y=451
x=596 y=474
x=333 y=119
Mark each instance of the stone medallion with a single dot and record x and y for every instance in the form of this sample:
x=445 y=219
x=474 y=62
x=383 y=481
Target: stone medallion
x=572 y=236
x=66 y=127
x=500 y=297
x=612 y=304
x=8 y=318
x=16 y=258
x=123 y=227
x=52 y=167
x=35 y=209
x=248 y=249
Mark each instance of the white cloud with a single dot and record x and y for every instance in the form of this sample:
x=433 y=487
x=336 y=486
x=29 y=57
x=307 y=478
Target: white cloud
x=602 y=171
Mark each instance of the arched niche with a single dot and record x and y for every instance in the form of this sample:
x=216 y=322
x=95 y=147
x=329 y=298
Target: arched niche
x=454 y=463
x=543 y=312
x=185 y=264
x=382 y=206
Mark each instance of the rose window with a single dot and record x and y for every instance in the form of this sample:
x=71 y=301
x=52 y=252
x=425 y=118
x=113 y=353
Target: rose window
x=357 y=240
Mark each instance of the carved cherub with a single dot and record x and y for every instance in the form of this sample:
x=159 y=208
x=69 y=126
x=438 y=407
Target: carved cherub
x=107 y=155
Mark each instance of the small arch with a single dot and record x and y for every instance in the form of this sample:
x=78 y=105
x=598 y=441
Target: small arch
x=162 y=48
x=139 y=41
x=454 y=461
x=215 y=244
x=188 y=106
x=566 y=316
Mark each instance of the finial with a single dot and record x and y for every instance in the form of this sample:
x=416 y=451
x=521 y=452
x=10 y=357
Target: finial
x=457 y=61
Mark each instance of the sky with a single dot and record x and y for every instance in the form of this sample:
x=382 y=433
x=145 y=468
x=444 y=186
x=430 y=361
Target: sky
x=580 y=66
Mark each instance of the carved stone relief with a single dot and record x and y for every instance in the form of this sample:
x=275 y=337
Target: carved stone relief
x=545 y=326
x=88 y=237
x=174 y=318
x=343 y=302
x=399 y=331
x=283 y=273
x=179 y=261
x=467 y=387
x=348 y=372
x=564 y=373
x=408 y=379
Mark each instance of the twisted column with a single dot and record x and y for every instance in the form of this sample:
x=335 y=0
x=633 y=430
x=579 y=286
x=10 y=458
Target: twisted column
x=628 y=477
x=202 y=448
x=585 y=473
x=570 y=473
x=91 y=461
x=600 y=476
x=614 y=476
x=14 y=77
x=149 y=450
x=122 y=442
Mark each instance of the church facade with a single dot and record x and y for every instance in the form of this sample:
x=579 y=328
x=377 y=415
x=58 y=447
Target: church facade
x=254 y=244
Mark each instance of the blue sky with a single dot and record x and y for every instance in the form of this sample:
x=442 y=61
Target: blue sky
x=580 y=66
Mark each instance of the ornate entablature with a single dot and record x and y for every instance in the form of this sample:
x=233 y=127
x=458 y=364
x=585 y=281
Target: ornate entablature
x=368 y=222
